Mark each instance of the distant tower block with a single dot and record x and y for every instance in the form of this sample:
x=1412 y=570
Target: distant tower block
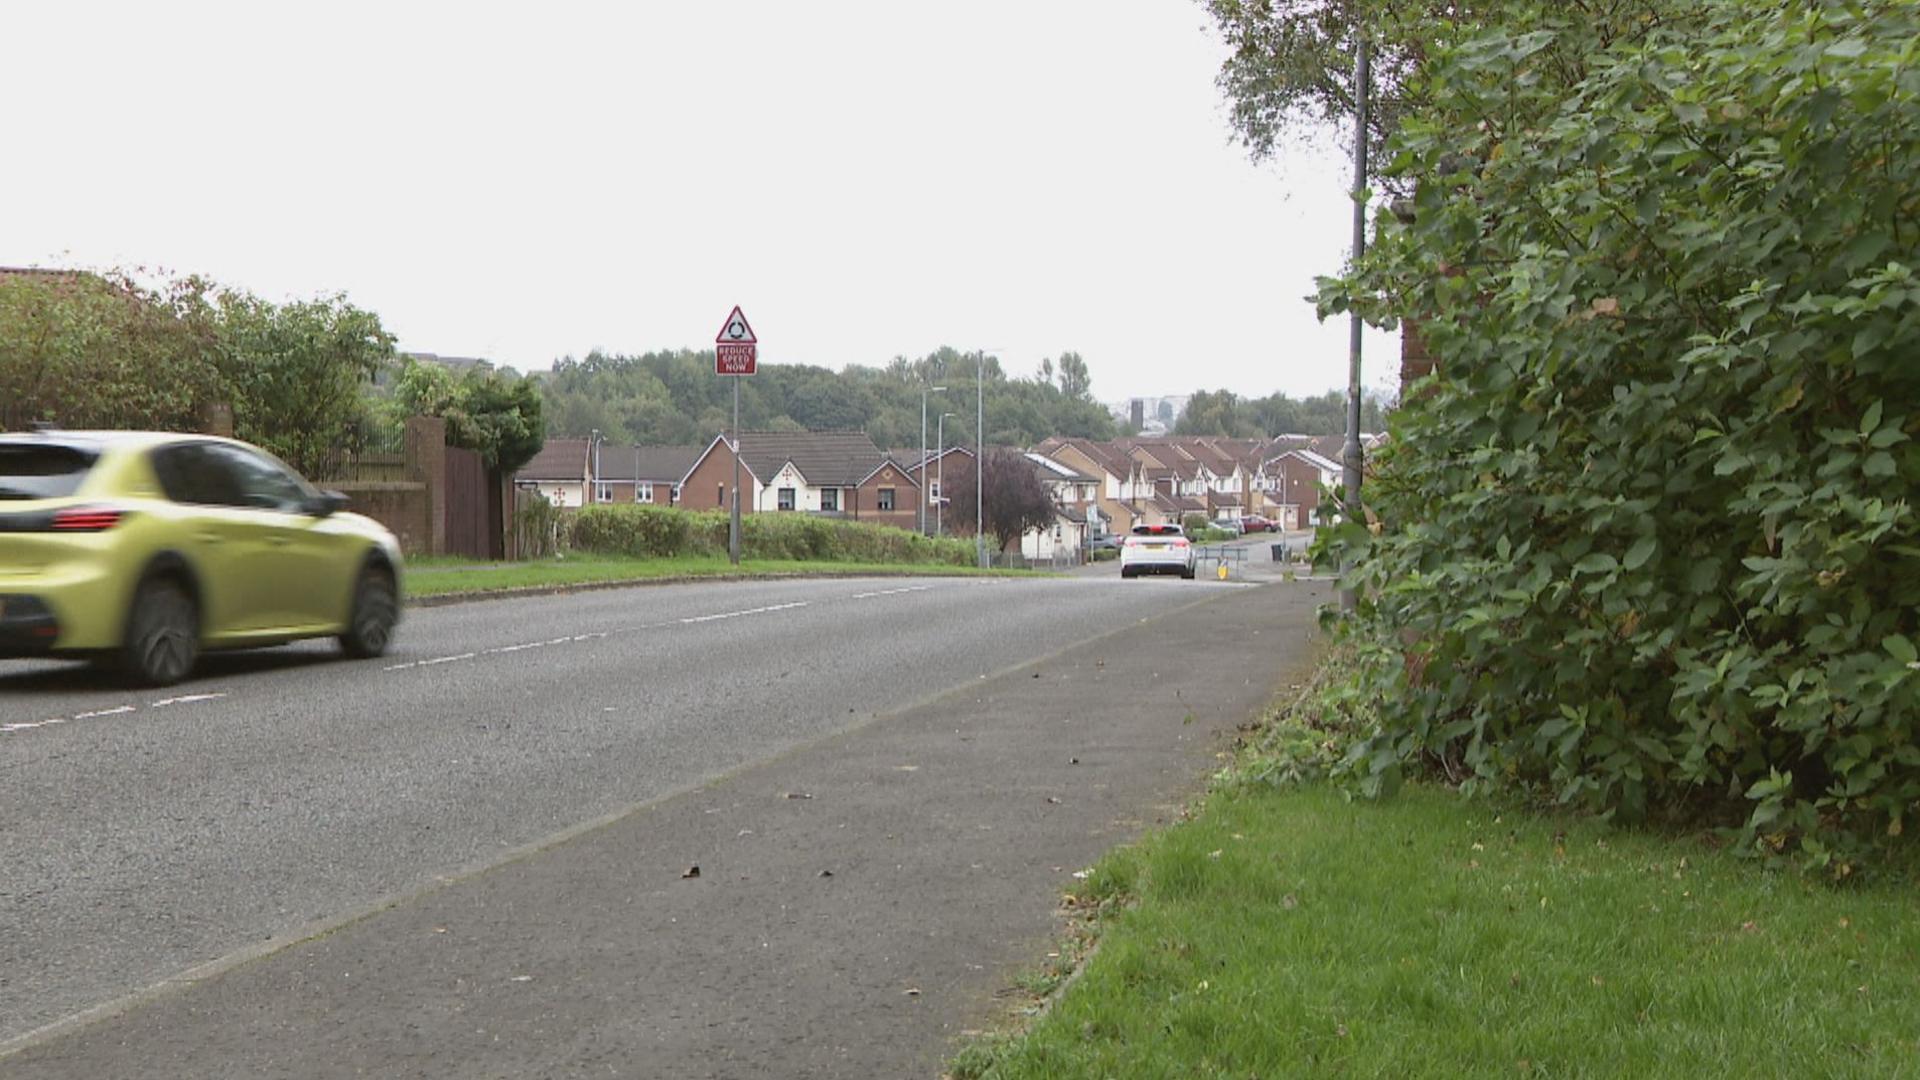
x=1139 y=414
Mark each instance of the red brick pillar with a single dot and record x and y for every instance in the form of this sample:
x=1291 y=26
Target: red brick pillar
x=426 y=450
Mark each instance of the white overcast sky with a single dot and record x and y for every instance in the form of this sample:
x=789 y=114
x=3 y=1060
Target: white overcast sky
x=529 y=181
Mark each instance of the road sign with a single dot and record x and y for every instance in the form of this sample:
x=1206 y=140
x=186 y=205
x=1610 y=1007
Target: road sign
x=736 y=351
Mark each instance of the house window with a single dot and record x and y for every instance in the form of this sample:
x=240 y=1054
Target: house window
x=886 y=498
x=830 y=499
x=603 y=492
x=786 y=498
x=933 y=491
x=720 y=500
x=675 y=497
x=644 y=493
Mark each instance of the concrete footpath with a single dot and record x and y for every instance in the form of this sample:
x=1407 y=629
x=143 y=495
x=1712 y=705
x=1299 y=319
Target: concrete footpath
x=857 y=902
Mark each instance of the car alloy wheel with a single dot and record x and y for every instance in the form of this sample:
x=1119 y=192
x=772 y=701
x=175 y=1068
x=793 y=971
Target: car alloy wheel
x=163 y=635
x=375 y=611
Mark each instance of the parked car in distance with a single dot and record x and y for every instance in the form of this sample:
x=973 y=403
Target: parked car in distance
x=144 y=549
x=1228 y=525
x=1157 y=549
x=1103 y=542
x=1255 y=523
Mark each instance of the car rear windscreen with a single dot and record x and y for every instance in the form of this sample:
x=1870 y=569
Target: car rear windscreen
x=42 y=470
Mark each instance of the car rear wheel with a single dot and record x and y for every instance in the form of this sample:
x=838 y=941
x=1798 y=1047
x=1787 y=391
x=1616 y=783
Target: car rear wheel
x=163 y=635
x=376 y=609
x=1187 y=573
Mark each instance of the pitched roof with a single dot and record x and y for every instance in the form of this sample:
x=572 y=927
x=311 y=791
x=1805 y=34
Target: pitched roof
x=664 y=464
x=1057 y=472
x=825 y=458
x=559 y=459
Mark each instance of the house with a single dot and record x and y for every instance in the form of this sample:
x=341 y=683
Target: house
x=562 y=471
x=836 y=473
x=953 y=459
x=659 y=470
x=1299 y=475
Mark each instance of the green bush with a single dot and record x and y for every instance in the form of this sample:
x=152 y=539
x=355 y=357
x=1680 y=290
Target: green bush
x=663 y=532
x=1646 y=541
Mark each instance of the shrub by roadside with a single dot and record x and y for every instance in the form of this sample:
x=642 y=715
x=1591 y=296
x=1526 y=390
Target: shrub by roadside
x=665 y=532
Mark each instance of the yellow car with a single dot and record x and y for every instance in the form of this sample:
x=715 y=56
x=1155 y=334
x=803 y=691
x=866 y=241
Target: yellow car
x=145 y=548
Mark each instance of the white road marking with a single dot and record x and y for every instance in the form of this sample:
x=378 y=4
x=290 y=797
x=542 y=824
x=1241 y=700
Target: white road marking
x=891 y=592
x=749 y=611
x=186 y=699
x=95 y=714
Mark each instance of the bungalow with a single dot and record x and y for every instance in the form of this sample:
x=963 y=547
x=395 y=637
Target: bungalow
x=835 y=473
x=562 y=471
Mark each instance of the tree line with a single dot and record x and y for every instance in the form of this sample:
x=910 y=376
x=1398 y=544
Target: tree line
x=303 y=379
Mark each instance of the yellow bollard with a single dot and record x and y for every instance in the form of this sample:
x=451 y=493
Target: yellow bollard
x=1223 y=571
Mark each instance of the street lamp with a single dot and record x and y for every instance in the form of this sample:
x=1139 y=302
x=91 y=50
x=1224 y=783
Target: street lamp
x=940 y=455
x=924 y=391
x=593 y=440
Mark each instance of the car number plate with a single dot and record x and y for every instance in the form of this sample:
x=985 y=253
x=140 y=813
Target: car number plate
x=1156 y=547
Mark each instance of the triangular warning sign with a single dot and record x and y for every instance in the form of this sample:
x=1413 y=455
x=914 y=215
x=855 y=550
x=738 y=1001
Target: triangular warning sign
x=736 y=331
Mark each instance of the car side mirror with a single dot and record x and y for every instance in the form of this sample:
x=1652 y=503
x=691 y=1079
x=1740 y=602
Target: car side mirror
x=326 y=504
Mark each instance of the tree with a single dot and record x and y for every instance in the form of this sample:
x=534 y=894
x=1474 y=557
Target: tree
x=297 y=372
x=1013 y=499
x=1075 y=382
x=104 y=351
x=491 y=412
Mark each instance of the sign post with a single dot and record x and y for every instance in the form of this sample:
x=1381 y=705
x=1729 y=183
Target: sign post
x=736 y=352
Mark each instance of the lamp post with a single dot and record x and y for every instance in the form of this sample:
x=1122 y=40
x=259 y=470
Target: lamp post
x=924 y=391
x=593 y=496
x=1350 y=452
x=940 y=455
x=979 y=459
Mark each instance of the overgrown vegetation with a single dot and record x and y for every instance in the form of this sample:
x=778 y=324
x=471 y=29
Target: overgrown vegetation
x=1646 y=541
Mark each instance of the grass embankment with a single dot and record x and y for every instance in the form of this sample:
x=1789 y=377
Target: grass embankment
x=1290 y=932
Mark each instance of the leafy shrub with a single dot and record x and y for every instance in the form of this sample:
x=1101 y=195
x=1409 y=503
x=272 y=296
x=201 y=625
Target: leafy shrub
x=663 y=532
x=1646 y=541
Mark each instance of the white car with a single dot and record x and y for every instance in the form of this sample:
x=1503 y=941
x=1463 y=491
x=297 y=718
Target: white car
x=1157 y=549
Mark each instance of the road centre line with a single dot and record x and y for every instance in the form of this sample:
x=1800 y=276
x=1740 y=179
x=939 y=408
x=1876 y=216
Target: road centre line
x=891 y=592
x=749 y=611
x=118 y=710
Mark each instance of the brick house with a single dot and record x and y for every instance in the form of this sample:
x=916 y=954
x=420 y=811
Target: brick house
x=832 y=473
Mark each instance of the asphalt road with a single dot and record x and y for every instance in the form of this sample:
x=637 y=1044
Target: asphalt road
x=176 y=862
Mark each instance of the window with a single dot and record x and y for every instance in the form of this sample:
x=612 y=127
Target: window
x=786 y=498
x=720 y=499
x=886 y=498
x=38 y=471
x=643 y=493
x=674 y=498
x=603 y=492
x=933 y=491
x=216 y=474
x=830 y=499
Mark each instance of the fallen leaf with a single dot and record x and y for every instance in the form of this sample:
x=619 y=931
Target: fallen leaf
x=1749 y=927
x=1289 y=901
x=692 y=872
x=798 y=795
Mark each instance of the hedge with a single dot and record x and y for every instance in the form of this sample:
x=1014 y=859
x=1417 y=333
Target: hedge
x=664 y=532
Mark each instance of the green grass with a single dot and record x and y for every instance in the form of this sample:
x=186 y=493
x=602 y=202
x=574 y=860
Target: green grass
x=442 y=576
x=1289 y=932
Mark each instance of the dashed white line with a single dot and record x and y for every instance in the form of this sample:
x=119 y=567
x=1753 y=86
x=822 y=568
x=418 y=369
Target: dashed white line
x=749 y=611
x=95 y=714
x=891 y=592
x=184 y=699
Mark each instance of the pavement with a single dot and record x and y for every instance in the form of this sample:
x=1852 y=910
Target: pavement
x=481 y=864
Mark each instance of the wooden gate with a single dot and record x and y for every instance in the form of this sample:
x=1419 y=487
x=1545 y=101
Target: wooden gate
x=472 y=507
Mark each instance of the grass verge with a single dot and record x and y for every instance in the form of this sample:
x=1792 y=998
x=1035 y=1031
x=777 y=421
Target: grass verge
x=1285 y=931
x=441 y=577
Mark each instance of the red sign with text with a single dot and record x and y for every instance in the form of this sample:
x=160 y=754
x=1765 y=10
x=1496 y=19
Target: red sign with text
x=736 y=351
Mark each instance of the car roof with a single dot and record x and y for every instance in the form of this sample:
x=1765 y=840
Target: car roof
x=105 y=440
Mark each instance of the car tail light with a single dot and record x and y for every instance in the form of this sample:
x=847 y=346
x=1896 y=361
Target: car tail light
x=86 y=519
x=1179 y=541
